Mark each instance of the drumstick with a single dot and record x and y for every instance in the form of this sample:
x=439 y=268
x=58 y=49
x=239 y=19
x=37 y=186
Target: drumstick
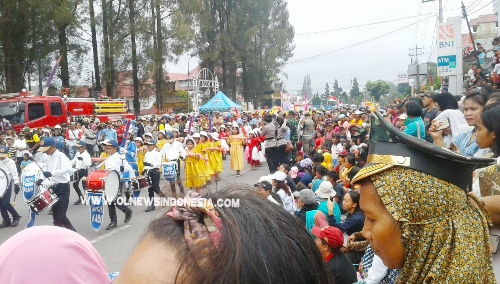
x=14 y=201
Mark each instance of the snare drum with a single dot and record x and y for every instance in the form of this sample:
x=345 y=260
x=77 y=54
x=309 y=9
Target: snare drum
x=4 y=182
x=169 y=171
x=107 y=181
x=140 y=183
x=43 y=201
x=30 y=175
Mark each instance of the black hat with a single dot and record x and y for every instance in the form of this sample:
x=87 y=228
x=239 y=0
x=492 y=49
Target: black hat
x=264 y=184
x=391 y=147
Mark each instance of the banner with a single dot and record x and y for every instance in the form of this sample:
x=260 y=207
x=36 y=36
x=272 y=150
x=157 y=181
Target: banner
x=28 y=187
x=96 y=209
x=286 y=104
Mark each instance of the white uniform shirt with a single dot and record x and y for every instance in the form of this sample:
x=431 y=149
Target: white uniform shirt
x=154 y=158
x=74 y=136
x=9 y=167
x=172 y=151
x=84 y=164
x=60 y=167
x=114 y=162
x=20 y=146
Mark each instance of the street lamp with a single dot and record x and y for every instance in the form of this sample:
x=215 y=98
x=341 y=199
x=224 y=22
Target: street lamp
x=189 y=81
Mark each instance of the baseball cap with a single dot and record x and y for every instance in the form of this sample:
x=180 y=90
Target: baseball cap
x=81 y=144
x=169 y=136
x=26 y=128
x=264 y=184
x=307 y=196
x=151 y=142
x=46 y=143
x=148 y=134
x=357 y=112
x=325 y=190
x=279 y=176
x=333 y=236
x=113 y=143
x=60 y=146
x=4 y=151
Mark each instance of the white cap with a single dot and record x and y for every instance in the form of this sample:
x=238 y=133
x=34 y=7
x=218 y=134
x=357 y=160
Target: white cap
x=148 y=134
x=196 y=135
x=138 y=139
x=403 y=116
x=58 y=127
x=325 y=190
x=279 y=176
x=203 y=133
x=358 y=112
x=215 y=136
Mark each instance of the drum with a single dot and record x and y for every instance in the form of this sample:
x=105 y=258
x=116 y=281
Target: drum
x=4 y=183
x=169 y=171
x=140 y=183
x=107 y=181
x=30 y=174
x=42 y=201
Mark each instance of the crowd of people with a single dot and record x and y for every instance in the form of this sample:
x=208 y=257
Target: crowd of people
x=352 y=195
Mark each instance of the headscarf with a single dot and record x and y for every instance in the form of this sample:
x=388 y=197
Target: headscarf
x=47 y=255
x=445 y=238
x=327 y=163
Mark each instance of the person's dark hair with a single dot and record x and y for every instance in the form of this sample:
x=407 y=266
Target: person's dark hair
x=413 y=108
x=268 y=118
x=333 y=175
x=490 y=118
x=494 y=98
x=477 y=97
x=321 y=170
x=417 y=99
x=486 y=90
x=362 y=156
x=280 y=120
x=318 y=158
x=351 y=159
x=248 y=243
x=458 y=98
x=286 y=166
x=337 y=136
x=282 y=185
x=355 y=199
x=446 y=101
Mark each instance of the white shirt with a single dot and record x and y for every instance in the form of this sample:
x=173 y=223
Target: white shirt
x=9 y=167
x=84 y=164
x=20 y=146
x=59 y=166
x=114 y=162
x=270 y=198
x=172 y=151
x=288 y=202
x=154 y=158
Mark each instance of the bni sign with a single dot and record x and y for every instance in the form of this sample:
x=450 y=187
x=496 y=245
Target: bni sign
x=446 y=50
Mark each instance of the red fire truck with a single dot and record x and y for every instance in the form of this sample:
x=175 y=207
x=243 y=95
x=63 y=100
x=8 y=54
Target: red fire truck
x=25 y=109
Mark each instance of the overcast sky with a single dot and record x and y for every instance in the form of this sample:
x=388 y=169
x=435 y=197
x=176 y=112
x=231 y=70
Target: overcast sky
x=363 y=52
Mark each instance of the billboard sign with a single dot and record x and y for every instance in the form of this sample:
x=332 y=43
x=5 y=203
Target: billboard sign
x=447 y=49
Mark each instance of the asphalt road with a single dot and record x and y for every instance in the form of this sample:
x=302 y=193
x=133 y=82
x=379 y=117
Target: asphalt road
x=116 y=245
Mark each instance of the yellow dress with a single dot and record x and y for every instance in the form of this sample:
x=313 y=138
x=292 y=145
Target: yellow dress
x=236 y=142
x=202 y=164
x=159 y=145
x=194 y=178
x=141 y=152
x=215 y=158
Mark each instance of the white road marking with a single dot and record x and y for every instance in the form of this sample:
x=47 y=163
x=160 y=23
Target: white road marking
x=109 y=234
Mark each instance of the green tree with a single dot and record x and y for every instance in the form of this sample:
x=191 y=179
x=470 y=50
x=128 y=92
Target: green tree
x=377 y=89
x=325 y=96
x=336 y=89
x=355 y=93
x=316 y=101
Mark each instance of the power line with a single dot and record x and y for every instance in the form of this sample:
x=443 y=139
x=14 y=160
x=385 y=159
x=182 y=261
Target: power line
x=352 y=45
x=362 y=25
x=417 y=23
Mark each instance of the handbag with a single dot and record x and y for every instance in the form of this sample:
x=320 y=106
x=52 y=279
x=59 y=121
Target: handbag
x=289 y=147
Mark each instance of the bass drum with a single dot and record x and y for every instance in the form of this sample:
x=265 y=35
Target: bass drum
x=4 y=183
x=30 y=174
x=104 y=181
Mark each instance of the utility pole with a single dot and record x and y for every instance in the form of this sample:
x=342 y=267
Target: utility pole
x=417 y=53
x=39 y=68
x=470 y=33
x=440 y=8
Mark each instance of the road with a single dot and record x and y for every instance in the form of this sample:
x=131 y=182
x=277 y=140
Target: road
x=116 y=245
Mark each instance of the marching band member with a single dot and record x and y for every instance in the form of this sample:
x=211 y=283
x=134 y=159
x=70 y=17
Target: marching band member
x=81 y=162
x=172 y=151
x=161 y=139
x=115 y=163
x=152 y=164
x=58 y=171
x=9 y=167
x=131 y=155
x=148 y=136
